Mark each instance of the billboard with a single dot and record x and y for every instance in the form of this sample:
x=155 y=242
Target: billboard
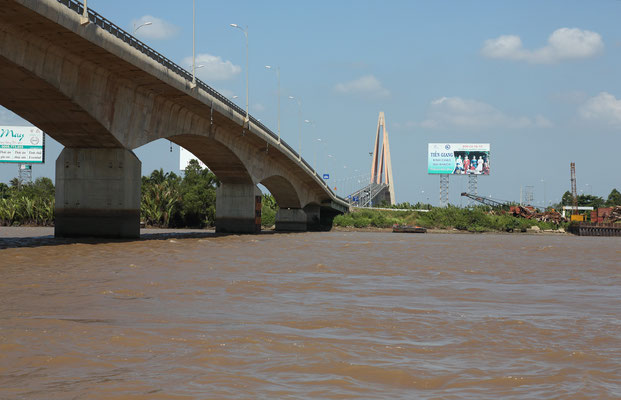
x=458 y=158
x=185 y=157
x=22 y=144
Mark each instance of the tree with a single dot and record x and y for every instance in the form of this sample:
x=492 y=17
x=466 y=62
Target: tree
x=198 y=191
x=4 y=190
x=567 y=199
x=588 y=200
x=614 y=198
x=269 y=208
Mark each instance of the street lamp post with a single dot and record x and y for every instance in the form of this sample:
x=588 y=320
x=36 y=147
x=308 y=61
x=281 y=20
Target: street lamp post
x=193 y=85
x=141 y=25
x=299 y=126
x=311 y=123
x=319 y=143
x=245 y=30
x=84 y=20
x=278 y=78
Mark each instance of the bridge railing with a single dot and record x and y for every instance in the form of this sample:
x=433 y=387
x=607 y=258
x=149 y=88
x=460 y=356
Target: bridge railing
x=107 y=25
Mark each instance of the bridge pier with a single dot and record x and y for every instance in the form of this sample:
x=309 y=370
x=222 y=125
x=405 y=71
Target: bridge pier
x=313 y=217
x=238 y=208
x=290 y=220
x=298 y=219
x=97 y=193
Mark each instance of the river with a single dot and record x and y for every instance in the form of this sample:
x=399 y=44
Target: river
x=336 y=315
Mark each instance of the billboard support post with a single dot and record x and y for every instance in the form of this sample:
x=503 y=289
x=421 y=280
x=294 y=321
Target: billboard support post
x=473 y=186
x=24 y=175
x=444 y=190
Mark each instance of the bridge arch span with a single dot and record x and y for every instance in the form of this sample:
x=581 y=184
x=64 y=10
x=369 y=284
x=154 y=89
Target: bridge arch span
x=283 y=191
x=221 y=160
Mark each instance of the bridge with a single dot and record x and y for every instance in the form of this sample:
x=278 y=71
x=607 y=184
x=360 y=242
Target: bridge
x=101 y=93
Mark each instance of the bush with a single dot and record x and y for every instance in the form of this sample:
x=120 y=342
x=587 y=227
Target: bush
x=269 y=207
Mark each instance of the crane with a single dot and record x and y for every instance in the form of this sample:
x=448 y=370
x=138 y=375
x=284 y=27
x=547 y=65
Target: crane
x=486 y=201
x=574 y=192
x=574 y=195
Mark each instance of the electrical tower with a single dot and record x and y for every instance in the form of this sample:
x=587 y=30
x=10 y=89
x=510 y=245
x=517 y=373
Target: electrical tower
x=25 y=174
x=529 y=195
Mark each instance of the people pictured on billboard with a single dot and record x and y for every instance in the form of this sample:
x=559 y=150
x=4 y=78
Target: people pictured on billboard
x=471 y=162
x=459 y=166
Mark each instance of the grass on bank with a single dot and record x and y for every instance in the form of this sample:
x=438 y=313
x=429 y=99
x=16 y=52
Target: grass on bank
x=477 y=219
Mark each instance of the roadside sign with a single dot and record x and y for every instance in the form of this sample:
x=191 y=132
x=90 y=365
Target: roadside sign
x=326 y=176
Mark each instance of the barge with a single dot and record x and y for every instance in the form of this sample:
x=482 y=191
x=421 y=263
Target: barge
x=595 y=229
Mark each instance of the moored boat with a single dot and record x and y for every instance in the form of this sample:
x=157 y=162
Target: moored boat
x=408 y=229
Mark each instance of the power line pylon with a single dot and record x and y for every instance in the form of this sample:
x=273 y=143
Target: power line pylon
x=381 y=172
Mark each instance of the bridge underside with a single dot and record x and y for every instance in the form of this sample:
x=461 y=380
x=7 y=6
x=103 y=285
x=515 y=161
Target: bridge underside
x=97 y=91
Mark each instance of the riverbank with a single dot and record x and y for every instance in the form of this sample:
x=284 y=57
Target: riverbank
x=454 y=231
x=474 y=220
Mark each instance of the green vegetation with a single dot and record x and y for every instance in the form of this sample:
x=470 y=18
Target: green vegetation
x=31 y=204
x=167 y=200
x=171 y=201
x=268 y=210
x=587 y=200
x=477 y=219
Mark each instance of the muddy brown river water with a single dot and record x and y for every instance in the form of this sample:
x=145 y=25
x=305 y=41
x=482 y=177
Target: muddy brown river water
x=337 y=315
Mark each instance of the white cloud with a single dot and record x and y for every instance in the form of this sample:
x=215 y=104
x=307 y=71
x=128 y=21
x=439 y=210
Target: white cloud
x=563 y=44
x=367 y=85
x=157 y=29
x=455 y=112
x=603 y=108
x=213 y=67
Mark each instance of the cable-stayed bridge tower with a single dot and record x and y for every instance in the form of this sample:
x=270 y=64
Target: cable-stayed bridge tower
x=381 y=186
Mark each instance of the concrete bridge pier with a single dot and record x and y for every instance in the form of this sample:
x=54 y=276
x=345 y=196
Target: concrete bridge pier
x=97 y=193
x=298 y=219
x=238 y=208
x=313 y=217
x=290 y=220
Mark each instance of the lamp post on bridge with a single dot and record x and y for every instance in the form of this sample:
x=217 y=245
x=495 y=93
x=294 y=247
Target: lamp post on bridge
x=193 y=84
x=141 y=25
x=245 y=30
x=312 y=124
x=278 y=78
x=299 y=125
x=84 y=20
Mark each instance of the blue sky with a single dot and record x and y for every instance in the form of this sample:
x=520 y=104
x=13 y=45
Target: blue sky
x=540 y=81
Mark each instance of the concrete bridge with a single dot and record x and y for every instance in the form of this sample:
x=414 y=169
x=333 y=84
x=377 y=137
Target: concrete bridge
x=102 y=93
